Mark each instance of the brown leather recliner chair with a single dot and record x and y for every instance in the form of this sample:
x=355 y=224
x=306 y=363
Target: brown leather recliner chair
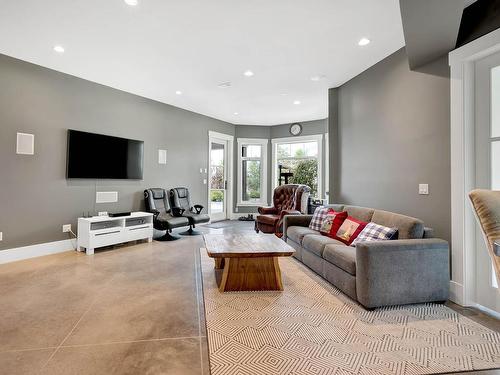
x=288 y=199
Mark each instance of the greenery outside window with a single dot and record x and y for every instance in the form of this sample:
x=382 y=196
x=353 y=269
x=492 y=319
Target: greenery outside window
x=299 y=161
x=252 y=172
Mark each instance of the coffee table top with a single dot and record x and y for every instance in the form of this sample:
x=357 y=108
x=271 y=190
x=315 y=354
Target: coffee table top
x=247 y=245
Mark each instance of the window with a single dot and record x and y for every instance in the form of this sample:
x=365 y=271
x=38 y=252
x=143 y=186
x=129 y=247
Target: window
x=252 y=171
x=298 y=160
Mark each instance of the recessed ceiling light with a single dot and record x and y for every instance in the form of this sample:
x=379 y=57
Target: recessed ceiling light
x=248 y=73
x=132 y=3
x=59 y=49
x=296 y=102
x=364 y=41
x=178 y=92
x=224 y=85
x=236 y=113
x=318 y=78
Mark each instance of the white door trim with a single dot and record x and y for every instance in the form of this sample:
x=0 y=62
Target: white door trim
x=229 y=172
x=462 y=63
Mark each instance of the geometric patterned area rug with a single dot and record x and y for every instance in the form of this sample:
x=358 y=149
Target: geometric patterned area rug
x=312 y=328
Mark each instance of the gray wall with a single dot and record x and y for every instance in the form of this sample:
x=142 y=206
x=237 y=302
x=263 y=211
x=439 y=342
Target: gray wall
x=393 y=129
x=271 y=132
x=35 y=197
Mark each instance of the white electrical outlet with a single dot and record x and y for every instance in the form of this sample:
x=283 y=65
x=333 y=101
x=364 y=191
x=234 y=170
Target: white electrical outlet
x=1 y=236
x=66 y=228
x=423 y=189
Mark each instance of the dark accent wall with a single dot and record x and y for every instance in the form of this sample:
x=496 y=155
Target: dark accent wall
x=35 y=197
x=478 y=19
x=393 y=129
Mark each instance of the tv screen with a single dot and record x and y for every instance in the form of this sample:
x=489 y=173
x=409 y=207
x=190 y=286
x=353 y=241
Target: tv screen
x=102 y=156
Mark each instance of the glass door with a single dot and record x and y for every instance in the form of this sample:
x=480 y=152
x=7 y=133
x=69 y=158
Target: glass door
x=218 y=179
x=487 y=153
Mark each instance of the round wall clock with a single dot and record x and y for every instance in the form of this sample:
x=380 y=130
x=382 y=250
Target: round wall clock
x=295 y=129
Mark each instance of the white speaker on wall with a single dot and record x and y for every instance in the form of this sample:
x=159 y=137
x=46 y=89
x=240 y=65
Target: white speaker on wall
x=25 y=144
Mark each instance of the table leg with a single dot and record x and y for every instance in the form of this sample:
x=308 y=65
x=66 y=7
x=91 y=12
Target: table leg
x=219 y=263
x=259 y=273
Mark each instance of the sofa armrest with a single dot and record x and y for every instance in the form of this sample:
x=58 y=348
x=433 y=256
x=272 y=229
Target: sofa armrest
x=267 y=210
x=295 y=220
x=402 y=272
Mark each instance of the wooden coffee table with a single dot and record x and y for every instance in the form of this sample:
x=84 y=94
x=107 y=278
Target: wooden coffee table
x=249 y=261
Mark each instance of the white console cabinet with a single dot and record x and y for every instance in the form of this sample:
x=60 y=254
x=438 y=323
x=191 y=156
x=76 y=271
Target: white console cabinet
x=101 y=231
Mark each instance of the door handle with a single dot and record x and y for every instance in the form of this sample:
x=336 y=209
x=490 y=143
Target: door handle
x=225 y=185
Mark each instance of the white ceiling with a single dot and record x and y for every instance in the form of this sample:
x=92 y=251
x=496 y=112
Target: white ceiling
x=161 y=46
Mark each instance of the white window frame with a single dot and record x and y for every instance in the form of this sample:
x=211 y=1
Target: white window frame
x=308 y=138
x=263 y=178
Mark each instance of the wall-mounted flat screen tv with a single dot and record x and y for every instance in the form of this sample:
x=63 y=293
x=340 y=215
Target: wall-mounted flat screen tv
x=102 y=156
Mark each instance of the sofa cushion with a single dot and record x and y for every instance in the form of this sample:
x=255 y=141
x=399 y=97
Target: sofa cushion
x=336 y=207
x=350 y=229
x=360 y=213
x=408 y=227
x=375 y=232
x=297 y=233
x=342 y=256
x=332 y=223
x=318 y=217
x=315 y=243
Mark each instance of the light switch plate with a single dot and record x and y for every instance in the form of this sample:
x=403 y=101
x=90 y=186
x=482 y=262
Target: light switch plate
x=1 y=236
x=25 y=144
x=423 y=189
x=162 y=156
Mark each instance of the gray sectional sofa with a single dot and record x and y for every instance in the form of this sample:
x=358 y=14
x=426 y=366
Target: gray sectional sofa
x=411 y=269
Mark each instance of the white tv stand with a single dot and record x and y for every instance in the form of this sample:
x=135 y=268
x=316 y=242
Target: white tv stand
x=101 y=231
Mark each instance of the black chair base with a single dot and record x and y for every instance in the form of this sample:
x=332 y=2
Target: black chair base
x=168 y=237
x=190 y=232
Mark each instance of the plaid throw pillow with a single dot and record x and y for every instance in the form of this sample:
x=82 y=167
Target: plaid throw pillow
x=318 y=217
x=375 y=232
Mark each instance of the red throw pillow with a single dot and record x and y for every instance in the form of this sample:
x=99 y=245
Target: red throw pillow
x=349 y=230
x=332 y=222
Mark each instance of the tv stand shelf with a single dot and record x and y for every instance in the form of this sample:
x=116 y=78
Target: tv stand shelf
x=99 y=231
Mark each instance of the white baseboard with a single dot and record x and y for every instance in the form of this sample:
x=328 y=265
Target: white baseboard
x=32 y=251
x=487 y=311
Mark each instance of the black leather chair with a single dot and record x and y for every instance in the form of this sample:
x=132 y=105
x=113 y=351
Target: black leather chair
x=179 y=198
x=157 y=202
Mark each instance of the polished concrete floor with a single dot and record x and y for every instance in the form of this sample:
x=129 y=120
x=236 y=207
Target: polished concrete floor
x=134 y=309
